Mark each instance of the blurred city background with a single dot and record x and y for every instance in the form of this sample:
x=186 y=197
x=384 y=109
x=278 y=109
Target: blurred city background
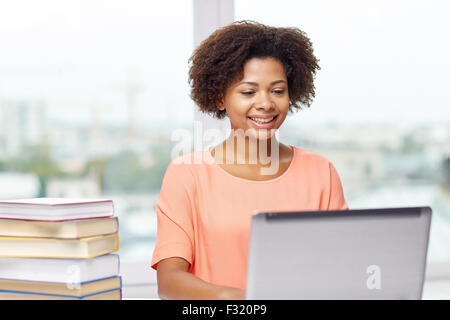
x=91 y=92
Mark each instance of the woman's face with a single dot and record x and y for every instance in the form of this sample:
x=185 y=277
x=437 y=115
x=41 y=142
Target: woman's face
x=262 y=93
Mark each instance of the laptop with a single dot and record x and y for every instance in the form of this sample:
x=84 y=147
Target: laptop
x=346 y=254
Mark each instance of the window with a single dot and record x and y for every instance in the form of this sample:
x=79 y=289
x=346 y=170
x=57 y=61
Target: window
x=90 y=92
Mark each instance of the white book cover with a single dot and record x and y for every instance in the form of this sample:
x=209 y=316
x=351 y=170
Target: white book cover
x=69 y=271
x=56 y=209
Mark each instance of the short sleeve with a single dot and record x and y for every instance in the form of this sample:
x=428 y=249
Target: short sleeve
x=175 y=235
x=336 y=194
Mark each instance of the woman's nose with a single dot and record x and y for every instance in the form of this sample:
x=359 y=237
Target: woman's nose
x=264 y=101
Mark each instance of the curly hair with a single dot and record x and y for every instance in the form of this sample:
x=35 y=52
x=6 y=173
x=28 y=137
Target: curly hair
x=219 y=60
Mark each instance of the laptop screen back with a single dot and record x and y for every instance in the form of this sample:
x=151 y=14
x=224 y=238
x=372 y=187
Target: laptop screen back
x=351 y=254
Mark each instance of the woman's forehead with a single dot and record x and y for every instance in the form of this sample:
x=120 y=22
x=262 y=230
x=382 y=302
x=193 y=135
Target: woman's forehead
x=258 y=70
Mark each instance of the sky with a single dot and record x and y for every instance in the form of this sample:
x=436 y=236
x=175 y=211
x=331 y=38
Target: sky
x=380 y=60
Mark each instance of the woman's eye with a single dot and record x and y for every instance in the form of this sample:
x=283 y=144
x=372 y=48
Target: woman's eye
x=248 y=93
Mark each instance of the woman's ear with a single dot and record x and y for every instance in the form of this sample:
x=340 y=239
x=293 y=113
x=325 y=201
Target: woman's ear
x=220 y=105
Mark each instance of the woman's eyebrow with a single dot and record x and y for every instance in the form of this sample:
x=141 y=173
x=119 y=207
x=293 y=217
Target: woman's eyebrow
x=256 y=84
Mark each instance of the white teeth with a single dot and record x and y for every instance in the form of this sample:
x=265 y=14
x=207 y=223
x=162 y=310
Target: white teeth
x=262 y=120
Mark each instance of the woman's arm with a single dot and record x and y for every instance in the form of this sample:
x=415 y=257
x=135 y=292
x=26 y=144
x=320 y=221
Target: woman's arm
x=175 y=282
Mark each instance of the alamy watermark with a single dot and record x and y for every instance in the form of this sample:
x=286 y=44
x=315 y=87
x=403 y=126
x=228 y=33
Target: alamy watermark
x=253 y=142
x=73 y=281
x=374 y=280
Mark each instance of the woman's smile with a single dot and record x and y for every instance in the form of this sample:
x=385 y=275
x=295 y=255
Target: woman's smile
x=261 y=123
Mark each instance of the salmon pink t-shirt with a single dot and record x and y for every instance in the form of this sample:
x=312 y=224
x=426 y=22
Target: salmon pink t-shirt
x=204 y=213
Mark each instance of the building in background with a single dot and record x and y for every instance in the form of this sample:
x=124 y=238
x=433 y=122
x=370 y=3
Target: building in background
x=16 y=185
x=22 y=123
x=82 y=187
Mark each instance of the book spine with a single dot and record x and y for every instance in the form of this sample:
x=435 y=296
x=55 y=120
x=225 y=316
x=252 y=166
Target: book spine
x=60 y=295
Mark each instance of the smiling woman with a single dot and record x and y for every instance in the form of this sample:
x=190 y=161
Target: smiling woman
x=257 y=104
x=253 y=74
x=250 y=72
x=215 y=65
x=270 y=97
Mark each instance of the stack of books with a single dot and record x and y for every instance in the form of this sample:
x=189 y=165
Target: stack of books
x=55 y=248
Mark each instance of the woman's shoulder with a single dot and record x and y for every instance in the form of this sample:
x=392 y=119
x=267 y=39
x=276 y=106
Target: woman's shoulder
x=185 y=165
x=180 y=173
x=189 y=159
x=316 y=166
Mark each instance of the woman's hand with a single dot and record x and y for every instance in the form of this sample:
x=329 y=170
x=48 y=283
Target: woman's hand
x=175 y=282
